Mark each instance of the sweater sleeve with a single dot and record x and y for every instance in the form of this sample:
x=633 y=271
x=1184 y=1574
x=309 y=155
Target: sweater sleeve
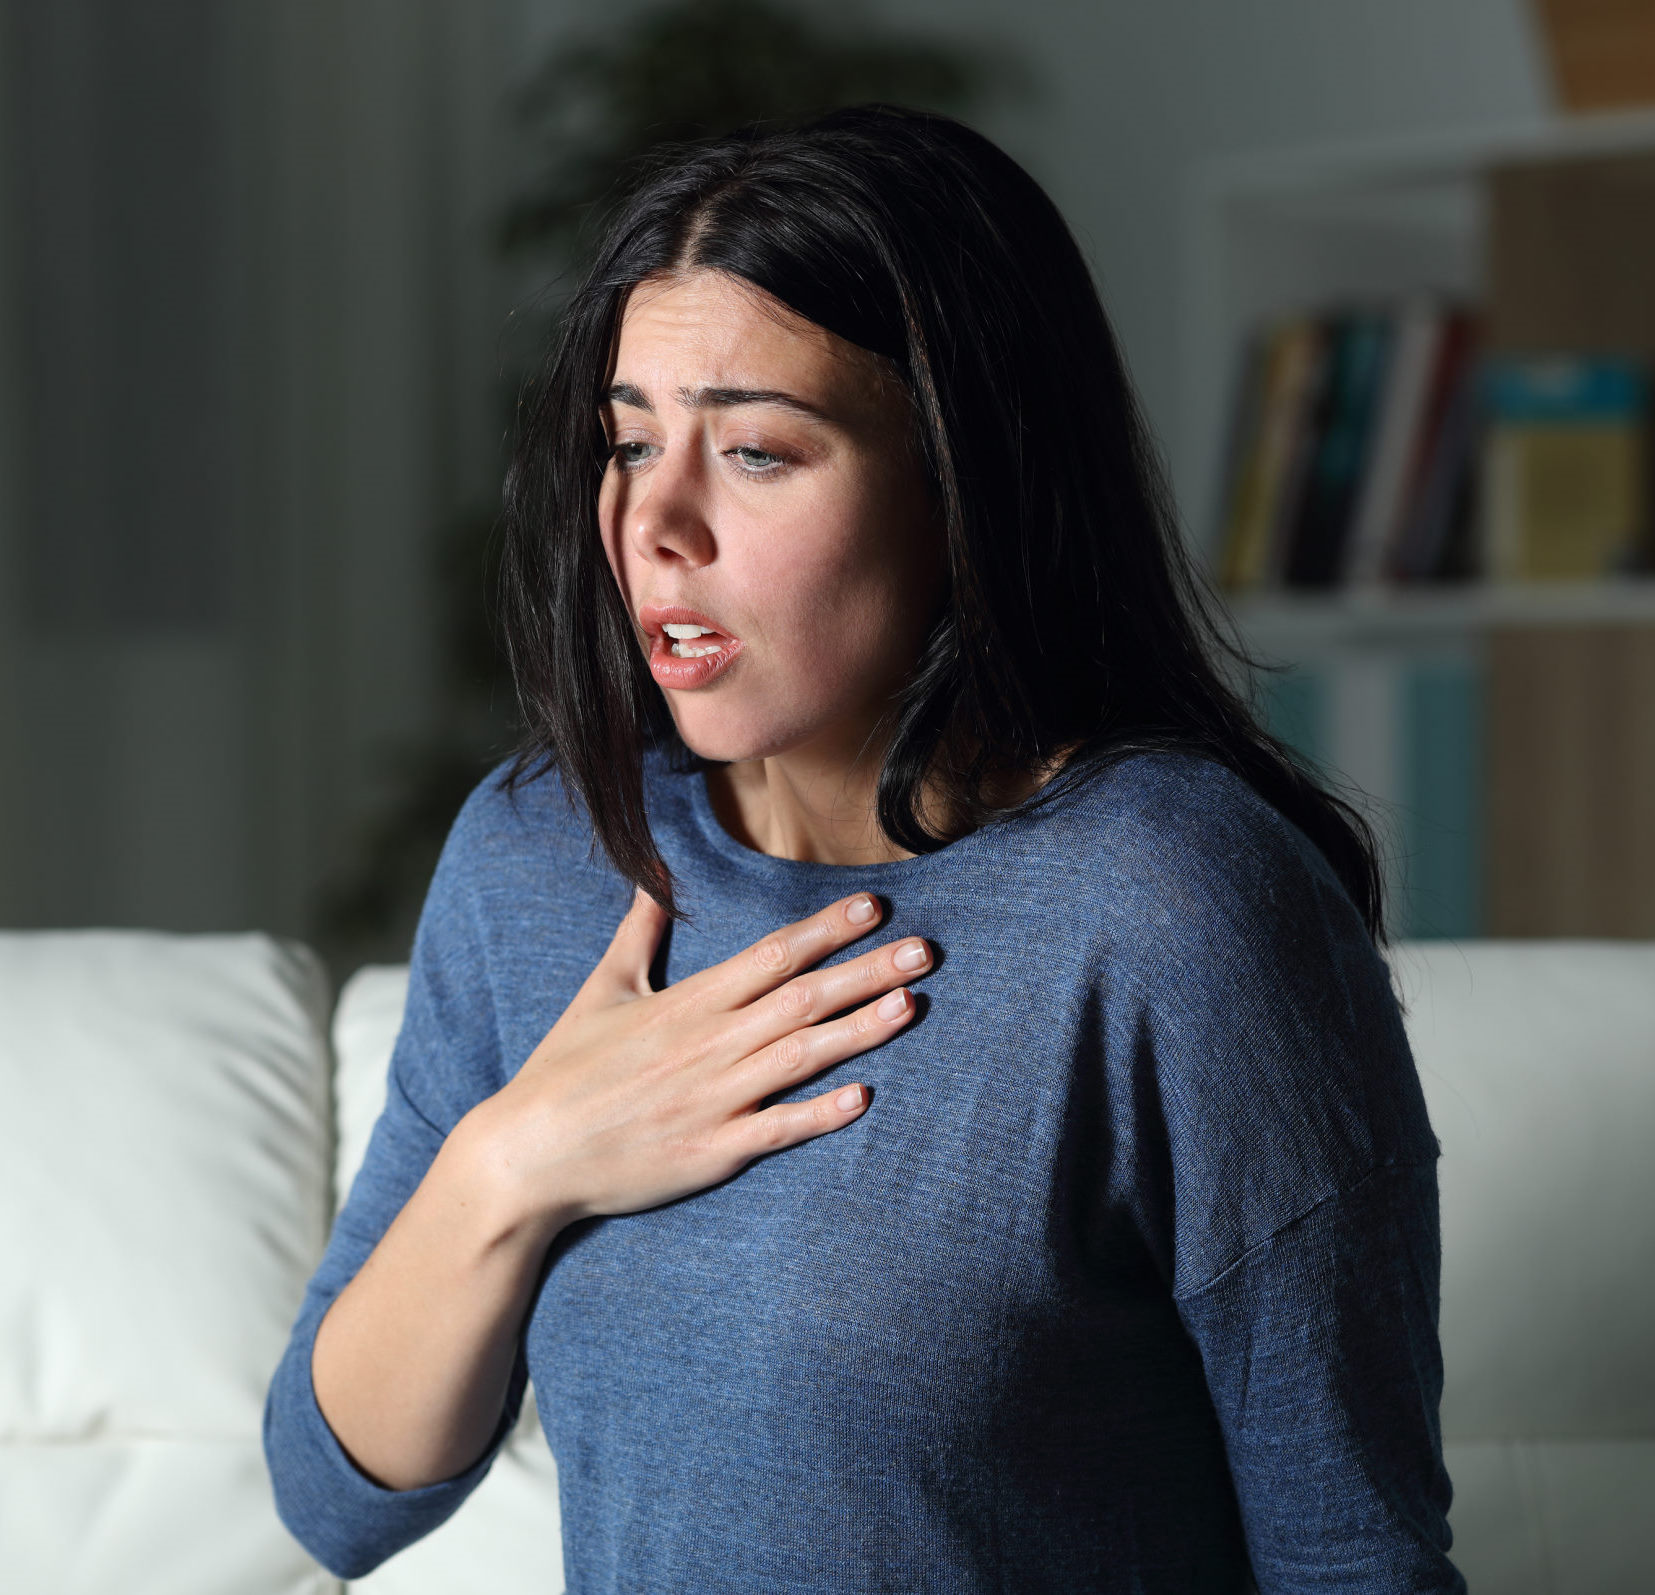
x=1284 y=1173
x=445 y=1060
x=1320 y=1350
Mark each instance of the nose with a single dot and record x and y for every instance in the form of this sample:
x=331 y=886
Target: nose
x=664 y=514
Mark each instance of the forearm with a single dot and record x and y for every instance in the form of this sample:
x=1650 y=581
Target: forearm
x=411 y=1363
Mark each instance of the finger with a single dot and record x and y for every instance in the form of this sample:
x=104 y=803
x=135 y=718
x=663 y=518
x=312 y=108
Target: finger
x=624 y=966
x=807 y=1052
x=779 y=956
x=809 y=999
x=788 y=1123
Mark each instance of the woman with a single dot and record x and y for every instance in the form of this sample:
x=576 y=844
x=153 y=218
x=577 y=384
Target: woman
x=842 y=584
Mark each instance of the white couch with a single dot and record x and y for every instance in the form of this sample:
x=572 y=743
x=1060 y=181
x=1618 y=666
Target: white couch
x=180 y=1115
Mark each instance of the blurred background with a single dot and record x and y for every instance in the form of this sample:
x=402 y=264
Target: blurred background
x=271 y=272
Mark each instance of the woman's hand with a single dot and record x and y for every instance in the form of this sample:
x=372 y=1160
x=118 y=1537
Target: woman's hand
x=636 y=1097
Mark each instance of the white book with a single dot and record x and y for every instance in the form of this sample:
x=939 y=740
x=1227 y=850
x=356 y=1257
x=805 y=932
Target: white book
x=1380 y=500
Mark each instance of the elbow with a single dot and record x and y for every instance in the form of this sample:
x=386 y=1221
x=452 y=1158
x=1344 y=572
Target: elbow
x=314 y=1513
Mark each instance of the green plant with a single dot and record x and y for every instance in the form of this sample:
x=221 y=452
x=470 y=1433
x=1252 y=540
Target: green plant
x=687 y=70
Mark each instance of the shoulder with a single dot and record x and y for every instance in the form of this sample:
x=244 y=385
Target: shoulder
x=1250 y=1003
x=1213 y=904
x=1185 y=859
x=516 y=856
x=504 y=823
x=504 y=932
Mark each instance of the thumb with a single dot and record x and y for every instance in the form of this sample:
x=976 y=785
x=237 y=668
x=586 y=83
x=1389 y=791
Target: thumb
x=632 y=948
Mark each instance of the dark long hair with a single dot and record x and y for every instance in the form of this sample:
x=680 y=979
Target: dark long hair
x=1076 y=617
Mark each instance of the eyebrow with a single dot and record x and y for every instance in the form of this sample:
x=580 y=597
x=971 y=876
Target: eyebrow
x=717 y=399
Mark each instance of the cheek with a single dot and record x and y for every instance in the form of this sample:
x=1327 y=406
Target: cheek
x=842 y=592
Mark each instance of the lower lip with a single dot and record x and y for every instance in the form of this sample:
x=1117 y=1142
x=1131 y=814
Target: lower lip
x=683 y=674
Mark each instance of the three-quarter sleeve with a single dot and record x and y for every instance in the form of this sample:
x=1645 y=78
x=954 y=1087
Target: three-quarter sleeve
x=1284 y=1175
x=445 y=1060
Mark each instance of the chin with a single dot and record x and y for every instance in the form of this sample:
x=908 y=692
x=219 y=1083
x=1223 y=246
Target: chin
x=710 y=736
x=718 y=737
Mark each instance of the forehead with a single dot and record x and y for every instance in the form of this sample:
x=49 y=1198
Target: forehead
x=723 y=331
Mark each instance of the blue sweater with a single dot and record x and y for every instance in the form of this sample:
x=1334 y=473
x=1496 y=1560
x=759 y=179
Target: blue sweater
x=1126 y=1280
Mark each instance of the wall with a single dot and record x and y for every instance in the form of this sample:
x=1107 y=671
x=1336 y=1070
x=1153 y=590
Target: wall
x=247 y=318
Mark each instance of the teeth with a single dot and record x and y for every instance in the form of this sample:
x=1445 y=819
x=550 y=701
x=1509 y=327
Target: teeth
x=684 y=633
x=679 y=651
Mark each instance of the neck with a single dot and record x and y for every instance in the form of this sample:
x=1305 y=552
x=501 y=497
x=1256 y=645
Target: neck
x=796 y=807
x=793 y=808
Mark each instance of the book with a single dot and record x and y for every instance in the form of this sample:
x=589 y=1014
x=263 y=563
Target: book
x=1361 y=348
x=1565 y=466
x=1446 y=494
x=1294 y=707
x=1305 y=428
x=1247 y=412
x=1441 y=736
x=1408 y=735
x=1458 y=554
x=1291 y=356
x=1420 y=325
x=1443 y=452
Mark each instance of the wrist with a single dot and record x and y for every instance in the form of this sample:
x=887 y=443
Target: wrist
x=500 y=1184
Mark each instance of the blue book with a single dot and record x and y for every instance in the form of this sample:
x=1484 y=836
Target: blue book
x=1553 y=389
x=1434 y=749
x=1361 y=351
x=1441 y=732
x=1566 y=466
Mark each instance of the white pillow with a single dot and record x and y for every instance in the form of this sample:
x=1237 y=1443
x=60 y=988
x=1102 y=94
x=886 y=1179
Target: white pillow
x=365 y=1027
x=1538 y=1064
x=165 y=1152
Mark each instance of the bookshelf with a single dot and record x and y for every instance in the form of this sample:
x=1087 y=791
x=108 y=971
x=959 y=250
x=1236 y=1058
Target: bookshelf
x=1270 y=232
x=1300 y=625
x=1392 y=690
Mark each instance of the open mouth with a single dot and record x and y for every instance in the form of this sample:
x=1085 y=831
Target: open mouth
x=685 y=650
x=694 y=642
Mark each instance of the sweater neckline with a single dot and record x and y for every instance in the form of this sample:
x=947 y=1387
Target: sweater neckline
x=769 y=866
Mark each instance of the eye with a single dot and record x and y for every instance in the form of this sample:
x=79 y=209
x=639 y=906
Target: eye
x=628 y=456
x=755 y=461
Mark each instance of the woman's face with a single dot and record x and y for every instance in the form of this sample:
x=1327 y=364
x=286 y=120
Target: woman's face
x=764 y=476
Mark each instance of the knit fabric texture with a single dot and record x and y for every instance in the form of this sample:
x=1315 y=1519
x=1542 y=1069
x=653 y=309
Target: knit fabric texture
x=1125 y=1281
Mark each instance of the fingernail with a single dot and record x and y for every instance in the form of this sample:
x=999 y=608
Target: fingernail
x=849 y=1098
x=860 y=911
x=910 y=956
x=893 y=1006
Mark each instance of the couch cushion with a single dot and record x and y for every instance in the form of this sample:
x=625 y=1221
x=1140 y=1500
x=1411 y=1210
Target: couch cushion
x=147 y=1517
x=365 y=1026
x=164 y=1169
x=1538 y=1064
x=165 y=1155
x=1552 y=1517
